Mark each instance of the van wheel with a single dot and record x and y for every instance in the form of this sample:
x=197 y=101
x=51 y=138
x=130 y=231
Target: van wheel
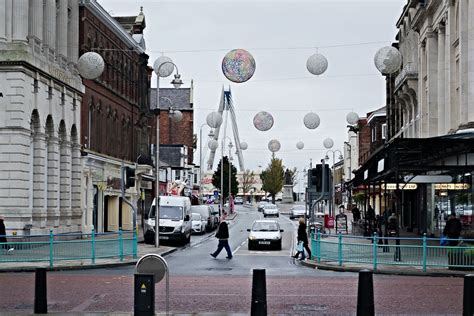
x=188 y=240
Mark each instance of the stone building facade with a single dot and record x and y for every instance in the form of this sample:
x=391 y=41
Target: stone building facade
x=114 y=115
x=40 y=97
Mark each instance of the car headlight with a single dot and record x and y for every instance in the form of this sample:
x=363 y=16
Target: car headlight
x=179 y=228
x=252 y=237
x=276 y=238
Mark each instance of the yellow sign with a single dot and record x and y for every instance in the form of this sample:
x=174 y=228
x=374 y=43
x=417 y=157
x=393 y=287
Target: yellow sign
x=401 y=186
x=452 y=186
x=143 y=288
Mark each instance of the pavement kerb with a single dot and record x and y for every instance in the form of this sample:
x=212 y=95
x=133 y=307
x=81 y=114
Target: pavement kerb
x=336 y=268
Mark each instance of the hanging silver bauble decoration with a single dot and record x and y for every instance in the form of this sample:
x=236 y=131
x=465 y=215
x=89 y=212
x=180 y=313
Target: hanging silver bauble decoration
x=317 y=64
x=244 y=145
x=328 y=143
x=214 y=119
x=176 y=116
x=213 y=144
x=311 y=120
x=167 y=69
x=352 y=118
x=388 y=60
x=300 y=145
x=274 y=145
x=90 y=65
x=263 y=121
x=238 y=65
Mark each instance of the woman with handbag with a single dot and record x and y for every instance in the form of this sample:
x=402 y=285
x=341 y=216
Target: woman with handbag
x=302 y=241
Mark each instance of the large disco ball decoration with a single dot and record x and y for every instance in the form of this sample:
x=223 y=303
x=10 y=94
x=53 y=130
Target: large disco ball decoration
x=300 y=145
x=90 y=65
x=263 y=121
x=317 y=64
x=388 y=60
x=311 y=120
x=328 y=143
x=274 y=145
x=176 y=116
x=214 y=119
x=352 y=118
x=238 y=65
x=213 y=144
x=167 y=69
x=244 y=145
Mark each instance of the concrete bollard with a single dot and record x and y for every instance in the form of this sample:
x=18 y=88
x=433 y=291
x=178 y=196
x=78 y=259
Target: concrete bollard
x=468 y=298
x=41 y=299
x=365 y=294
x=259 y=293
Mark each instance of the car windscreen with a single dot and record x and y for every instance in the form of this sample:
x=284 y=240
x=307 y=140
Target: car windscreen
x=299 y=208
x=196 y=217
x=265 y=227
x=203 y=210
x=168 y=212
x=270 y=206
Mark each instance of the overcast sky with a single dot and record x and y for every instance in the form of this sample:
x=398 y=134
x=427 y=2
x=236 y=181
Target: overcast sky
x=281 y=35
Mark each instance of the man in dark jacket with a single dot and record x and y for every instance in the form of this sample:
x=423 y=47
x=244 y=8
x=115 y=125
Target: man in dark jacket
x=303 y=237
x=223 y=236
x=453 y=230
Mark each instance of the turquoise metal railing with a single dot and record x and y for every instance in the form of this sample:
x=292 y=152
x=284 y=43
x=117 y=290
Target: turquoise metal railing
x=421 y=253
x=76 y=246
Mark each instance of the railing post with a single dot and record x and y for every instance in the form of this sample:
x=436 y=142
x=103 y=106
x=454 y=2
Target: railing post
x=374 y=241
x=51 y=248
x=120 y=244
x=318 y=248
x=424 y=252
x=339 y=249
x=93 y=245
x=134 y=244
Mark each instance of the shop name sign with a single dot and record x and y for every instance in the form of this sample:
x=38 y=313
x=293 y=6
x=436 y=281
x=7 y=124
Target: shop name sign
x=401 y=186
x=452 y=186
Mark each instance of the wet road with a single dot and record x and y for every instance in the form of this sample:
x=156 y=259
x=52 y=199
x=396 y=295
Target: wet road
x=199 y=283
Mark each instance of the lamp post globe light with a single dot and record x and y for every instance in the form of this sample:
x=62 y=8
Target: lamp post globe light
x=212 y=144
x=299 y=145
x=388 y=60
x=161 y=66
x=90 y=65
x=328 y=143
x=244 y=145
x=317 y=64
x=311 y=120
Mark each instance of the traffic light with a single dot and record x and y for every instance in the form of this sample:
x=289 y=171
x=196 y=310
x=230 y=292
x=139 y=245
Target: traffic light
x=316 y=178
x=129 y=177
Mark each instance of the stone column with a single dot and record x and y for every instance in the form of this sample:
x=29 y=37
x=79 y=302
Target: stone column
x=39 y=180
x=76 y=178
x=61 y=33
x=3 y=24
x=449 y=107
x=53 y=182
x=441 y=79
x=463 y=60
x=65 y=184
x=20 y=20
x=49 y=29
x=423 y=111
x=35 y=31
x=470 y=61
x=432 y=84
x=73 y=33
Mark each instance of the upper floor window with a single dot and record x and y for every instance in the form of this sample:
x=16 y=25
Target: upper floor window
x=384 y=131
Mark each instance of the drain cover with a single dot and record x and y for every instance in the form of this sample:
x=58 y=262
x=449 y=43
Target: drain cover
x=309 y=307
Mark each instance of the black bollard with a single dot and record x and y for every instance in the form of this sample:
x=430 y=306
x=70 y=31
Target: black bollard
x=144 y=290
x=259 y=293
x=365 y=294
x=468 y=299
x=41 y=300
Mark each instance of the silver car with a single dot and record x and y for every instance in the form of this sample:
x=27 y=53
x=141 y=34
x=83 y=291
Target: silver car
x=297 y=211
x=271 y=210
x=265 y=233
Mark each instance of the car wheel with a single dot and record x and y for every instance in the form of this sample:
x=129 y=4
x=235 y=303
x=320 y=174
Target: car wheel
x=279 y=246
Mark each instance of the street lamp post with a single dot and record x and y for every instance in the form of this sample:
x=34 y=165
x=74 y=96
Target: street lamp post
x=333 y=200
x=211 y=134
x=222 y=173
x=177 y=82
x=230 y=171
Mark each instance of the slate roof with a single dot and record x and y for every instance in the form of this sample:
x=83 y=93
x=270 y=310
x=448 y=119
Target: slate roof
x=180 y=98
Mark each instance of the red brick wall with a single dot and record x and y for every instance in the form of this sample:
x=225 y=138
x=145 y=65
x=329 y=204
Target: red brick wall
x=364 y=141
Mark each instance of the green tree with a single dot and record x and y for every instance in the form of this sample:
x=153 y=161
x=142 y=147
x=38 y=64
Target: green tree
x=248 y=181
x=273 y=177
x=216 y=178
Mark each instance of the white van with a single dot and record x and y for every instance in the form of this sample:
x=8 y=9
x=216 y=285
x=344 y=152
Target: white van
x=175 y=220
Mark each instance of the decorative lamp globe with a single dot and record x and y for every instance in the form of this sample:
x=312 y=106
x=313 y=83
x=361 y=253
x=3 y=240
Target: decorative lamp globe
x=352 y=118
x=274 y=145
x=213 y=144
x=244 y=145
x=299 y=145
x=176 y=116
x=238 y=65
x=388 y=60
x=311 y=120
x=90 y=65
x=167 y=69
x=214 y=119
x=263 y=121
x=317 y=64
x=328 y=143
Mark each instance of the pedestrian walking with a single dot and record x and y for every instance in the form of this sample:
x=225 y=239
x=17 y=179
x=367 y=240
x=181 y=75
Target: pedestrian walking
x=222 y=235
x=436 y=216
x=453 y=230
x=3 y=236
x=393 y=231
x=302 y=238
x=355 y=214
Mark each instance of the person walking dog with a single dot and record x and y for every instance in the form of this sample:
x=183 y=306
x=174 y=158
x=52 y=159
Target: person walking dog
x=223 y=236
x=302 y=238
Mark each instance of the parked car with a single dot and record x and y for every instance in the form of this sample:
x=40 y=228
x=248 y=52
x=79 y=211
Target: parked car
x=198 y=223
x=271 y=210
x=239 y=200
x=208 y=214
x=265 y=234
x=297 y=211
x=260 y=206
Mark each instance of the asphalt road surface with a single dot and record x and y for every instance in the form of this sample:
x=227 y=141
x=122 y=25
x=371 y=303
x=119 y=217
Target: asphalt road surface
x=199 y=283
